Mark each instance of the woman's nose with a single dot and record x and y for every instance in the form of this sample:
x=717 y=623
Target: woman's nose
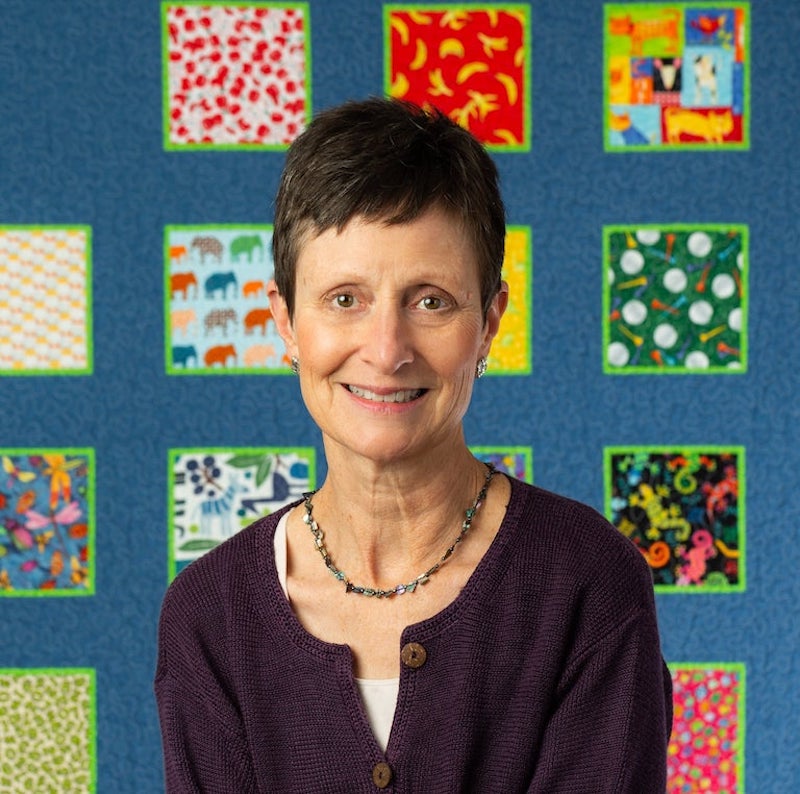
x=388 y=339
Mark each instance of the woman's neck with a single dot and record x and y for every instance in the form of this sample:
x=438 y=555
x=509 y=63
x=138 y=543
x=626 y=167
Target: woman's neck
x=383 y=522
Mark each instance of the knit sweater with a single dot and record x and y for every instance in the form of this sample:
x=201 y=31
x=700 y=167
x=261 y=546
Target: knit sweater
x=544 y=675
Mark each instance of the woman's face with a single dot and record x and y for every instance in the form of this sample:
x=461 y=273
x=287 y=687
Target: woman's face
x=388 y=328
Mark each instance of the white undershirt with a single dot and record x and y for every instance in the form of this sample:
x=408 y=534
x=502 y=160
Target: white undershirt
x=379 y=695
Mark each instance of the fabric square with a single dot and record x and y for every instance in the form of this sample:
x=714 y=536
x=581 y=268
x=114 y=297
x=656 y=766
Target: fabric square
x=676 y=76
x=706 y=749
x=471 y=62
x=216 y=492
x=514 y=461
x=684 y=510
x=45 y=300
x=47 y=527
x=675 y=299
x=48 y=731
x=217 y=312
x=511 y=349
x=235 y=75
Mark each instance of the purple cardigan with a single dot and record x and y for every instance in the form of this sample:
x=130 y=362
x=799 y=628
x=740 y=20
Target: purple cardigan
x=544 y=675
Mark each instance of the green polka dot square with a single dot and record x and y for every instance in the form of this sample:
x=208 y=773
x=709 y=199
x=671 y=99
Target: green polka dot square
x=675 y=299
x=47 y=731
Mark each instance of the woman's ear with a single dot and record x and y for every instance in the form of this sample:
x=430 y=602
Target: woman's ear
x=493 y=317
x=280 y=314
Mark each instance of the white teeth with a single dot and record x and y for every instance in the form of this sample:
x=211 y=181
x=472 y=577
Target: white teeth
x=403 y=396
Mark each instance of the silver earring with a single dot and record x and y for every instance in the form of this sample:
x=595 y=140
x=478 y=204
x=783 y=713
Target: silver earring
x=480 y=367
x=295 y=365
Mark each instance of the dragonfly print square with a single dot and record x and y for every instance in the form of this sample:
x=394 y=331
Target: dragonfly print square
x=46 y=522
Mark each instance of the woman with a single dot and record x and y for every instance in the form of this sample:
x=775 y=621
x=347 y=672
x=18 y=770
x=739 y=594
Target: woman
x=487 y=636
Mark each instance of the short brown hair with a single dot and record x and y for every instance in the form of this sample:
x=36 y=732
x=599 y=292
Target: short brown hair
x=384 y=159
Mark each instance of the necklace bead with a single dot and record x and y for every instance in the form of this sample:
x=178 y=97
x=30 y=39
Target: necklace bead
x=400 y=589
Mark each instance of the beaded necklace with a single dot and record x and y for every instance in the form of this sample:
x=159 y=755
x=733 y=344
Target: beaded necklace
x=308 y=518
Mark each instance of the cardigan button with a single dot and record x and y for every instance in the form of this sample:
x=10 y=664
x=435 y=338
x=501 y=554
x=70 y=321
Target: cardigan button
x=381 y=774
x=413 y=655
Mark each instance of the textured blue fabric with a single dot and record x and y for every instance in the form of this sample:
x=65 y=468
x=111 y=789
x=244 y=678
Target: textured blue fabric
x=81 y=142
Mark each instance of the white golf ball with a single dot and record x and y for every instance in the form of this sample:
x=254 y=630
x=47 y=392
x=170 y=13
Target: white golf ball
x=701 y=312
x=634 y=312
x=675 y=280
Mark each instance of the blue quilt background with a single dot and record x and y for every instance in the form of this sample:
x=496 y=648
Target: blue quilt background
x=81 y=144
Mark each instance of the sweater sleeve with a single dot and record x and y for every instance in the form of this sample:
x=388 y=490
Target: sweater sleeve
x=204 y=743
x=201 y=752
x=610 y=726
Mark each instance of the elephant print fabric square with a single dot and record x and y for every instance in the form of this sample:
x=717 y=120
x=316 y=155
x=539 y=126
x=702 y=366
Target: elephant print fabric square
x=676 y=76
x=214 y=493
x=684 y=511
x=48 y=730
x=45 y=301
x=235 y=75
x=47 y=522
x=706 y=748
x=218 y=316
x=470 y=62
x=675 y=299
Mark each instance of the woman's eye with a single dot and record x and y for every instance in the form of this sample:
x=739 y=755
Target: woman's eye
x=344 y=301
x=431 y=303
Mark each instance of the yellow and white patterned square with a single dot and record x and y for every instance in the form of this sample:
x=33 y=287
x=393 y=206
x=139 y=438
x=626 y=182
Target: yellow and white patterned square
x=45 y=300
x=511 y=349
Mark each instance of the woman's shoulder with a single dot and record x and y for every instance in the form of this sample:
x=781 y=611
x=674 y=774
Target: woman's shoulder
x=572 y=535
x=208 y=581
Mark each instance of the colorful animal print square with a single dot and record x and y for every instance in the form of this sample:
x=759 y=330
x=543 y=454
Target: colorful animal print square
x=48 y=731
x=683 y=508
x=706 y=749
x=45 y=300
x=675 y=299
x=514 y=461
x=217 y=311
x=471 y=62
x=47 y=527
x=216 y=492
x=235 y=75
x=511 y=349
x=676 y=76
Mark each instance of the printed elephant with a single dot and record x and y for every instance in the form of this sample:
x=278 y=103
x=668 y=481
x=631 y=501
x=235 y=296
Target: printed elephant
x=207 y=246
x=219 y=282
x=247 y=244
x=182 y=354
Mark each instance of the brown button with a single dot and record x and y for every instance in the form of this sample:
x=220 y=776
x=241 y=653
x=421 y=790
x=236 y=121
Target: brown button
x=381 y=774
x=413 y=655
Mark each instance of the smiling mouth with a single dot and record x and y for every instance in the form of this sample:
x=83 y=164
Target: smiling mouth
x=401 y=396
